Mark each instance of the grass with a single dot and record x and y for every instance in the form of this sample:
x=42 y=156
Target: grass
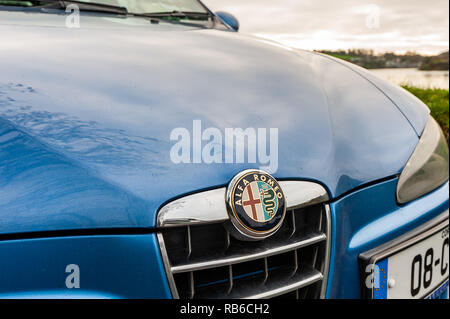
x=345 y=57
x=437 y=101
x=16 y=3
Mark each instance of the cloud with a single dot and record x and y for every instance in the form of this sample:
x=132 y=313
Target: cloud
x=382 y=25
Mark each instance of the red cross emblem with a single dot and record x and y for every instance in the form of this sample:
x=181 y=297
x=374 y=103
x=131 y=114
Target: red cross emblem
x=252 y=202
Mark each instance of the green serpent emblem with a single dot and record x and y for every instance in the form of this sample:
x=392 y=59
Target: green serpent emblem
x=269 y=202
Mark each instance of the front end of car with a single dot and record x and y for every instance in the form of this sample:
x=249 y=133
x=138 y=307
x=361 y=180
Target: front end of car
x=94 y=206
x=325 y=249
x=364 y=244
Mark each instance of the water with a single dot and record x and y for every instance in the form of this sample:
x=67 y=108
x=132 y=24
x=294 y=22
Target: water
x=415 y=77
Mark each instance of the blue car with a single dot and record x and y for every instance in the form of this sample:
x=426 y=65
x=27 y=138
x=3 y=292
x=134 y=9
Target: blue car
x=150 y=150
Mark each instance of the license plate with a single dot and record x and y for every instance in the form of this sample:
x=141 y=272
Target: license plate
x=416 y=272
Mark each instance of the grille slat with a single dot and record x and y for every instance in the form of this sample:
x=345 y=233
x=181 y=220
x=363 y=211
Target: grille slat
x=283 y=285
x=244 y=255
x=203 y=261
x=278 y=284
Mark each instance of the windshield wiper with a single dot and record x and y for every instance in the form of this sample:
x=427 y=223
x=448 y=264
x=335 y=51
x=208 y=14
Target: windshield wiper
x=85 y=6
x=62 y=4
x=173 y=16
x=177 y=15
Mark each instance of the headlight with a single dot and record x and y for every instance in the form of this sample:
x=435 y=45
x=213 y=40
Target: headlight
x=427 y=169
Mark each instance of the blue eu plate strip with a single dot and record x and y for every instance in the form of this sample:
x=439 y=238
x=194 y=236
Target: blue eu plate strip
x=440 y=292
x=380 y=280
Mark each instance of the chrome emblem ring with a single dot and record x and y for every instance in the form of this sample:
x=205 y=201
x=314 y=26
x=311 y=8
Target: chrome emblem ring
x=256 y=205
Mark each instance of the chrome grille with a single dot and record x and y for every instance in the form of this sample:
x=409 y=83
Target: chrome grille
x=203 y=261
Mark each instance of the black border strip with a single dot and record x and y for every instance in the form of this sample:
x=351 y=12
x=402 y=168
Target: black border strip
x=77 y=233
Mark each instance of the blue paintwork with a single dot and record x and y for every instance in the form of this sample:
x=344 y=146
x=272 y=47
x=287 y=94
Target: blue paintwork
x=410 y=106
x=367 y=219
x=229 y=19
x=86 y=115
x=125 y=266
x=85 y=121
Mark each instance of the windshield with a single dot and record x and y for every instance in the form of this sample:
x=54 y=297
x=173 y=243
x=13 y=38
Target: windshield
x=173 y=11
x=154 y=6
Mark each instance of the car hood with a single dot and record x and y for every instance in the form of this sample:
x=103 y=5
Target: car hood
x=86 y=117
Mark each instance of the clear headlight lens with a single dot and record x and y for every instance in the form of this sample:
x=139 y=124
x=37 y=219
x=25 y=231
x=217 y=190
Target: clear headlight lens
x=428 y=167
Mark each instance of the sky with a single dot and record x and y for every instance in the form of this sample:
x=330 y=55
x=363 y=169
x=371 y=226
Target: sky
x=381 y=25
